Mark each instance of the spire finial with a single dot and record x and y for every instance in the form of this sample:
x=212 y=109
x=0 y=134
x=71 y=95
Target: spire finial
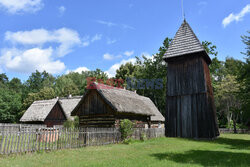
x=183 y=11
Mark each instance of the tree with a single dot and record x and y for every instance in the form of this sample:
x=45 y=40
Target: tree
x=233 y=66
x=65 y=86
x=244 y=78
x=217 y=70
x=38 y=80
x=98 y=74
x=10 y=105
x=125 y=71
x=227 y=91
x=16 y=85
x=210 y=48
x=45 y=93
x=3 y=78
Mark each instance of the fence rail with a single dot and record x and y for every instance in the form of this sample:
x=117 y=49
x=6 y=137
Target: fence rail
x=242 y=131
x=4 y=127
x=42 y=139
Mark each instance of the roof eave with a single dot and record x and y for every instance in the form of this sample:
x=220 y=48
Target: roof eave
x=204 y=53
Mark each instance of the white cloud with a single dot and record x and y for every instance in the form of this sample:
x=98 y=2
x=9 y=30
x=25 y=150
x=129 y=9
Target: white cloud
x=26 y=61
x=61 y=9
x=111 y=41
x=85 y=43
x=19 y=6
x=112 y=70
x=125 y=26
x=78 y=70
x=97 y=37
x=236 y=17
x=66 y=38
x=87 y=40
x=108 y=56
x=129 y=53
x=107 y=23
x=111 y=24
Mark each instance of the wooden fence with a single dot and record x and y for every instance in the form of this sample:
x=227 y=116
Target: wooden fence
x=4 y=127
x=241 y=131
x=45 y=139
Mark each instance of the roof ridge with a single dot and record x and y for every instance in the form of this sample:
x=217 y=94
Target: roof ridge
x=68 y=98
x=113 y=87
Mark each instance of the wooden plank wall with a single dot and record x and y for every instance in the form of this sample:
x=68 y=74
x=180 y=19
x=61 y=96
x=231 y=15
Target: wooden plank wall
x=95 y=112
x=190 y=106
x=56 y=116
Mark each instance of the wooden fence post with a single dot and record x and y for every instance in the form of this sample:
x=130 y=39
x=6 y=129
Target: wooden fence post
x=2 y=142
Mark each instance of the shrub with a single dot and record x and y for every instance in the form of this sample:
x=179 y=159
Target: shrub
x=126 y=128
x=143 y=136
x=76 y=121
x=72 y=123
x=127 y=141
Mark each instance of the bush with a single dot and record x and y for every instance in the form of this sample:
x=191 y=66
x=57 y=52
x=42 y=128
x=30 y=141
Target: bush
x=126 y=129
x=143 y=136
x=127 y=141
x=72 y=123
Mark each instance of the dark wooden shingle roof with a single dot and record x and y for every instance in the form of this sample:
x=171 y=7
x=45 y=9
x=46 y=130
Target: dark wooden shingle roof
x=185 y=42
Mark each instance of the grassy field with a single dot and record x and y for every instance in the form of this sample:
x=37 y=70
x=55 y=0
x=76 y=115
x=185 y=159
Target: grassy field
x=228 y=150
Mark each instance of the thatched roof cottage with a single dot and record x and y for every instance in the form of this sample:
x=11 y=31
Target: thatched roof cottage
x=48 y=112
x=105 y=106
x=51 y=112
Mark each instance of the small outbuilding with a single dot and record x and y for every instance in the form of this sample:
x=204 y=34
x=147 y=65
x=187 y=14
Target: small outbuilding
x=48 y=112
x=106 y=106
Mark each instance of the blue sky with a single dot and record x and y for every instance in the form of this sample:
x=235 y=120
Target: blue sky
x=61 y=35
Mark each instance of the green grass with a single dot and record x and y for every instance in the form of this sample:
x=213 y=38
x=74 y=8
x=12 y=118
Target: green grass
x=228 y=150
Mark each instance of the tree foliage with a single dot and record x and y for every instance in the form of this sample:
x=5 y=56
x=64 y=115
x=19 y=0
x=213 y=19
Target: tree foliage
x=244 y=78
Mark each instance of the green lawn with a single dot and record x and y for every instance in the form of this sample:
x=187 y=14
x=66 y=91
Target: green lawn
x=228 y=150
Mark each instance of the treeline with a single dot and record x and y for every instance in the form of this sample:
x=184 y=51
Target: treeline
x=230 y=80
x=16 y=97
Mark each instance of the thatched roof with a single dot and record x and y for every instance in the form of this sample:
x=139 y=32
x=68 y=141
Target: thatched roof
x=68 y=104
x=39 y=110
x=123 y=101
x=185 y=42
x=157 y=114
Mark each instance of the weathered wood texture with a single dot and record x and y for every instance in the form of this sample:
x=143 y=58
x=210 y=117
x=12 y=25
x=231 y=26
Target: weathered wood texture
x=95 y=112
x=54 y=139
x=190 y=103
x=19 y=127
x=56 y=116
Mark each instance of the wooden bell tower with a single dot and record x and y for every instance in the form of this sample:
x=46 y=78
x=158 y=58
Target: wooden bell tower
x=190 y=107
